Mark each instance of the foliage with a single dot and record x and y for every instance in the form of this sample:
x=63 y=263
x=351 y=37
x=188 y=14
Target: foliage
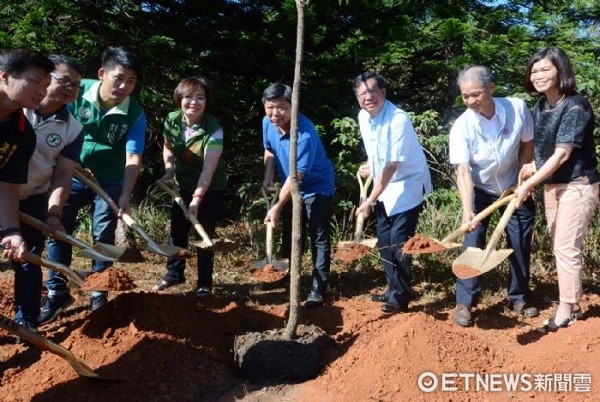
x=243 y=45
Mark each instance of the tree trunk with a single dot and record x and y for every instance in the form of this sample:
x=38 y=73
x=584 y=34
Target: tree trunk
x=297 y=205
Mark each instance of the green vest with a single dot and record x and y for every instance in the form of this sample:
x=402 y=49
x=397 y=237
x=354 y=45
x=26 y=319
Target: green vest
x=105 y=134
x=189 y=156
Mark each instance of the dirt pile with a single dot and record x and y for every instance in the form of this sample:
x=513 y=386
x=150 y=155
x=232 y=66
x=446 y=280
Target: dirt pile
x=109 y=279
x=175 y=346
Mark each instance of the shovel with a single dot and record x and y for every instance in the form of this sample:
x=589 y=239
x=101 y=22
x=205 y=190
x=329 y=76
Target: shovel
x=360 y=218
x=220 y=245
x=74 y=277
x=112 y=253
x=279 y=265
x=474 y=261
x=44 y=344
x=162 y=249
x=421 y=244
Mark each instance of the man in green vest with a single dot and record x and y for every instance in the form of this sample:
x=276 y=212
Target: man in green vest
x=114 y=127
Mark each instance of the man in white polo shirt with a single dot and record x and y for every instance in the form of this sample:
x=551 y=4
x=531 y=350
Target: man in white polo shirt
x=489 y=143
x=59 y=139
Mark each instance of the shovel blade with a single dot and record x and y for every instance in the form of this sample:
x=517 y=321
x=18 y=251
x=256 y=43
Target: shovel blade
x=94 y=255
x=279 y=265
x=474 y=262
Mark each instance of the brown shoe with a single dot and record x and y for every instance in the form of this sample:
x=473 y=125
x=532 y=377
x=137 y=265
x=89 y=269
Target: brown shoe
x=462 y=315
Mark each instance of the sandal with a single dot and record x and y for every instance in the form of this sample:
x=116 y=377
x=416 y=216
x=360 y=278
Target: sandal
x=163 y=285
x=551 y=326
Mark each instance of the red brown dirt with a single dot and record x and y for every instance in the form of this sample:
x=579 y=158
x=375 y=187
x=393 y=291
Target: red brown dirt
x=349 y=252
x=269 y=274
x=175 y=346
x=420 y=243
x=109 y=279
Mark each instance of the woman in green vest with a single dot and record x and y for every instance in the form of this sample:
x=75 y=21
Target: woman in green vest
x=193 y=143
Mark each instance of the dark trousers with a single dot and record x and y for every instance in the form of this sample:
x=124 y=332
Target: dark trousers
x=104 y=224
x=519 y=232
x=208 y=211
x=28 y=276
x=317 y=211
x=392 y=232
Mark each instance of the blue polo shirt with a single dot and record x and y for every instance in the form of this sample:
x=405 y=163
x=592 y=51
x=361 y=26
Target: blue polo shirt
x=319 y=176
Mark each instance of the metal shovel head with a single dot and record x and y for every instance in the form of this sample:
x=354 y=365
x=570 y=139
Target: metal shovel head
x=218 y=245
x=474 y=262
x=168 y=250
x=109 y=250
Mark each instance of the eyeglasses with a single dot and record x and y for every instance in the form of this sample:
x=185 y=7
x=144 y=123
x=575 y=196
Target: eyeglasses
x=66 y=81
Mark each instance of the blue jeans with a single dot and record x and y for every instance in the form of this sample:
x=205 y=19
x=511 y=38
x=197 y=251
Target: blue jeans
x=519 y=232
x=208 y=211
x=317 y=211
x=104 y=223
x=28 y=276
x=392 y=232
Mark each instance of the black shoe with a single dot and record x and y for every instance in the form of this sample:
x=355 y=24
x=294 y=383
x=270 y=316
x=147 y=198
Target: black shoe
x=462 y=315
x=382 y=298
x=314 y=299
x=52 y=306
x=203 y=292
x=522 y=309
x=31 y=327
x=391 y=308
x=97 y=302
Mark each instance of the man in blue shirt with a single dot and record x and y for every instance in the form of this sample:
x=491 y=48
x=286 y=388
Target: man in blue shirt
x=316 y=177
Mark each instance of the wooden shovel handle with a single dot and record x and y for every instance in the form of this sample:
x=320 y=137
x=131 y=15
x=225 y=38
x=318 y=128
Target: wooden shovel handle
x=90 y=181
x=363 y=185
x=192 y=218
x=510 y=209
x=358 y=231
x=58 y=234
x=479 y=217
x=63 y=269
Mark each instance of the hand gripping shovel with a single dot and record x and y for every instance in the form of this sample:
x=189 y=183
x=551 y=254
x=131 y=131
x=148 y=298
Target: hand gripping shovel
x=421 y=244
x=41 y=342
x=220 y=245
x=100 y=251
x=163 y=249
x=474 y=261
x=279 y=265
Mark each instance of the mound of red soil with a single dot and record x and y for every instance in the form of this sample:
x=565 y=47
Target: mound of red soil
x=350 y=252
x=175 y=346
x=109 y=279
x=420 y=243
x=269 y=274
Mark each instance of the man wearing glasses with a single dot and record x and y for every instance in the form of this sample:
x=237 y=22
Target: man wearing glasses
x=48 y=184
x=400 y=181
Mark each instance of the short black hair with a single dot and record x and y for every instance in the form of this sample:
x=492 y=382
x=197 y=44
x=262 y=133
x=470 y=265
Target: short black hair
x=119 y=56
x=362 y=78
x=16 y=61
x=567 y=84
x=60 y=59
x=188 y=86
x=277 y=90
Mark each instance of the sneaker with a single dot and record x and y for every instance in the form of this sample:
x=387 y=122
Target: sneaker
x=522 y=309
x=203 y=292
x=462 y=315
x=314 y=299
x=28 y=326
x=52 y=306
x=97 y=302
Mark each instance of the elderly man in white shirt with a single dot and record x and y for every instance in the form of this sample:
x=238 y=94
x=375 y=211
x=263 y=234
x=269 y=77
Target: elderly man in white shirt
x=401 y=180
x=489 y=143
